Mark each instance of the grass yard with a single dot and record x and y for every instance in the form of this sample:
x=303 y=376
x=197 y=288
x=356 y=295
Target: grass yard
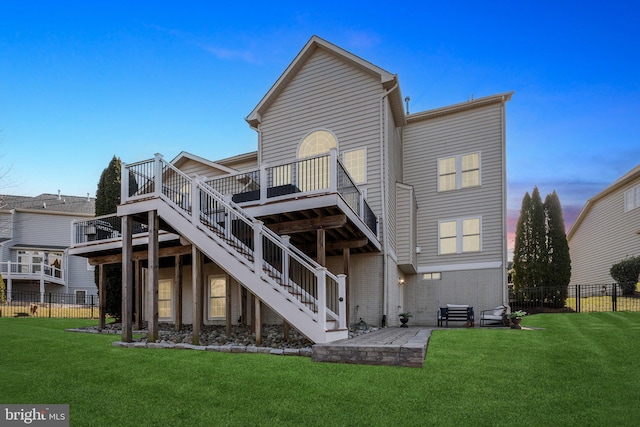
x=579 y=369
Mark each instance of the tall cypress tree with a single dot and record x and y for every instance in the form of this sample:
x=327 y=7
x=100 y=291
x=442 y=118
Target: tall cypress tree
x=107 y=200
x=538 y=242
x=559 y=260
x=521 y=251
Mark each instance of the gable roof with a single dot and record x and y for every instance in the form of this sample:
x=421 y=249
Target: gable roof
x=632 y=175
x=388 y=80
x=185 y=156
x=462 y=106
x=50 y=203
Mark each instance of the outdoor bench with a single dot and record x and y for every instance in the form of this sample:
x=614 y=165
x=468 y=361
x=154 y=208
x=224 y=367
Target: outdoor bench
x=456 y=313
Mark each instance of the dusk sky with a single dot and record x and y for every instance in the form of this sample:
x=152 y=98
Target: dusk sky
x=83 y=81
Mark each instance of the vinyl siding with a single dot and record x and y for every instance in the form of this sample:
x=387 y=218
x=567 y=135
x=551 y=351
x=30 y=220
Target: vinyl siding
x=481 y=289
x=406 y=227
x=46 y=229
x=606 y=235
x=327 y=93
x=192 y=167
x=476 y=130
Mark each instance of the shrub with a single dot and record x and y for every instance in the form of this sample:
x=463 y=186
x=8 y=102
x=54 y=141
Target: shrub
x=626 y=273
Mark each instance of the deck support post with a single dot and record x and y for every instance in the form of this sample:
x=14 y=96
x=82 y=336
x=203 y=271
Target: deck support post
x=258 y=321
x=102 y=297
x=177 y=279
x=196 y=283
x=152 y=275
x=139 y=294
x=346 y=263
x=127 y=278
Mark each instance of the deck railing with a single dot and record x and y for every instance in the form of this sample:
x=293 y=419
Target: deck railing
x=101 y=228
x=32 y=271
x=315 y=289
x=313 y=175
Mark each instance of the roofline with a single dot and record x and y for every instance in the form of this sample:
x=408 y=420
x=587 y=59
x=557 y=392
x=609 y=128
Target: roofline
x=630 y=176
x=239 y=157
x=185 y=154
x=462 y=106
x=47 y=211
x=387 y=79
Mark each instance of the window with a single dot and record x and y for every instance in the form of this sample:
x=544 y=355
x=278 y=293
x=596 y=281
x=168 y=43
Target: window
x=459 y=236
x=314 y=174
x=432 y=276
x=632 y=199
x=355 y=161
x=315 y=143
x=217 y=296
x=458 y=172
x=164 y=299
x=81 y=297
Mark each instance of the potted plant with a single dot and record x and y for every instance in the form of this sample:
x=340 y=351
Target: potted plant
x=404 y=318
x=516 y=317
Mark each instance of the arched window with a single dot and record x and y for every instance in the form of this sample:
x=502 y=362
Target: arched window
x=314 y=174
x=317 y=142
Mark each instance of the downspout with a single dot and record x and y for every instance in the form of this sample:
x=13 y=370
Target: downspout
x=505 y=265
x=383 y=219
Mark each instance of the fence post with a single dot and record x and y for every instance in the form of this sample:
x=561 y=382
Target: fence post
x=577 y=298
x=92 y=305
x=614 y=297
x=49 y=305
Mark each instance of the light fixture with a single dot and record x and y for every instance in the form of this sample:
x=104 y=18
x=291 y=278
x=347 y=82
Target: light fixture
x=400 y=281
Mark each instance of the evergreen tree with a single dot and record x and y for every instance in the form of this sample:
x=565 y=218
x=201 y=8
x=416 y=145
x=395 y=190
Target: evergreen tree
x=538 y=240
x=541 y=253
x=521 y=251
x=107 y=200
x=559 y=260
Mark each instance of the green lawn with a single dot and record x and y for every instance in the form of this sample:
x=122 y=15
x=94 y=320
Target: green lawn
x=579 y=369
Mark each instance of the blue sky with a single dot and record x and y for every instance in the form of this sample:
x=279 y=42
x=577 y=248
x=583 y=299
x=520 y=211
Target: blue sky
x=83 y=81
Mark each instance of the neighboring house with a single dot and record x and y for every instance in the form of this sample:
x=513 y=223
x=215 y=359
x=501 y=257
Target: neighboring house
x=35 y=233
x=606 y=231
x=405 y=211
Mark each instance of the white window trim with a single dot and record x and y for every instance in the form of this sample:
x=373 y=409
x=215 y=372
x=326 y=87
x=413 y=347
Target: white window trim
x=337 y=147
x=632 y=199
x=171 y=301
x=459 y=236
x=208 y=307
x=365 y=163
x=459 y=171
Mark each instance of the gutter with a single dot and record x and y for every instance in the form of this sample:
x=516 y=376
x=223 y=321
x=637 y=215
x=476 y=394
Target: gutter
x=385 y=251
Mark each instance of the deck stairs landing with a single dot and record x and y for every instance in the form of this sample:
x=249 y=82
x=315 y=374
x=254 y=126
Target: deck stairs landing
x=306 y=294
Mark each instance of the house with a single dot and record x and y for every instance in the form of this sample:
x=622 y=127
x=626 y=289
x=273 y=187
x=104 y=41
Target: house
x=606 y=231
x=350 y=210
x=34 y=237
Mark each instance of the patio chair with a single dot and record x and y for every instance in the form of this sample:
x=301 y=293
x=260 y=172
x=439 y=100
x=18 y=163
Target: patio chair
x=493 y=316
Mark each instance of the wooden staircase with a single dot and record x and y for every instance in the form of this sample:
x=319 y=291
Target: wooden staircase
x=307 y=295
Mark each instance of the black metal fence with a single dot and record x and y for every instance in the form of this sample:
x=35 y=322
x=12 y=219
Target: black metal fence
x=575 y=298
x=49 y=304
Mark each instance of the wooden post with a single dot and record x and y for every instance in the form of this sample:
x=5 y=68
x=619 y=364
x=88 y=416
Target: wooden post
x=178 y=291
x=127 y=278
x=139 y=294
x=152 y=276
x=285 y=330
x=227 y=310
x=102 y=296
x=346 y=262
x=258 y=321
x=196 y=282
x=321 y=256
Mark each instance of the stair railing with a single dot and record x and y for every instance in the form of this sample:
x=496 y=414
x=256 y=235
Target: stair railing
x=317 y=291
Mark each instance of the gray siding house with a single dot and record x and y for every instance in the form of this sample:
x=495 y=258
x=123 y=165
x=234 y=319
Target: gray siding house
x=34 y=238
x=606 y=231
x=350 y=210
